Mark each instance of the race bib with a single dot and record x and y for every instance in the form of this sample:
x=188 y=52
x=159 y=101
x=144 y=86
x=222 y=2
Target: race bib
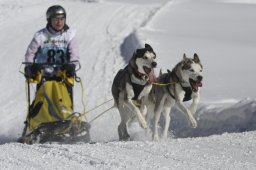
x=52 y=55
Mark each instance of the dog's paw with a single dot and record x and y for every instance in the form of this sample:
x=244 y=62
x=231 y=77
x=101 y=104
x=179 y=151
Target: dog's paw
x=144 y=125
x=142 y=122
x=155 y=137
x=193 y=123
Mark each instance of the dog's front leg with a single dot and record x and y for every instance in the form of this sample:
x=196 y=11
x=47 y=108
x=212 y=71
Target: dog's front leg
x=134 y=109
x=194 y=104
x=188 y=113
x=143 y=107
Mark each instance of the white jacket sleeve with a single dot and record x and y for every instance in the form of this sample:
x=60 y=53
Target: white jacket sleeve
x=73 y=49
x=31 y=50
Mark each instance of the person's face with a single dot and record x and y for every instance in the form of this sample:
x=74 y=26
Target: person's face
x=58 y=22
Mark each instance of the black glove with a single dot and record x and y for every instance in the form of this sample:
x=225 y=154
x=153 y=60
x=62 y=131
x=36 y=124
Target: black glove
x=70 y=69
x=31 y=70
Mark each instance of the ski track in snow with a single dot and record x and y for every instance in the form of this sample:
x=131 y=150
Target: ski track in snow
x=107 y=42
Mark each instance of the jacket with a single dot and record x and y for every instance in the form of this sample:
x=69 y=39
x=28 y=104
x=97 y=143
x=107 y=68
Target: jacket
x=48 y=45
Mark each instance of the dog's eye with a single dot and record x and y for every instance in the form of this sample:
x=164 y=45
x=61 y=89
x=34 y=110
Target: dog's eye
x=145 y=57
x=201 y=70
x=154 y=57
x=192 y=70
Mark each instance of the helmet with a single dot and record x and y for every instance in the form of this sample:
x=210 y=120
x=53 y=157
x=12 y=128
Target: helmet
x=55 y=10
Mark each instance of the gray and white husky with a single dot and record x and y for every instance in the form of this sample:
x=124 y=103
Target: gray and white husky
x=184 y=82
x=131 y=87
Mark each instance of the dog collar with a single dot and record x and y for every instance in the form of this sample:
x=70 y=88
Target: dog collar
x=140 y=75
x=140 y=81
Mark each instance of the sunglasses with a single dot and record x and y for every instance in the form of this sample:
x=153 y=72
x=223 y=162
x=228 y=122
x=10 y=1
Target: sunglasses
x=58 y=19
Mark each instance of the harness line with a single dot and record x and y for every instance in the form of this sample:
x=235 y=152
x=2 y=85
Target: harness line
x=157 y=84
x=82 y=97
x=96 y=107
x=164 y=84
x=101 y=114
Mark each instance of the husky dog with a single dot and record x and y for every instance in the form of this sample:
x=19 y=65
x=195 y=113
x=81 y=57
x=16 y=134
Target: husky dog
x=182 y=84
x=131 y=87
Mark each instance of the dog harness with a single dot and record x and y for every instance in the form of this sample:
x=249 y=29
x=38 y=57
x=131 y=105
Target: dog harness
x=137 y=88
x=188 y=90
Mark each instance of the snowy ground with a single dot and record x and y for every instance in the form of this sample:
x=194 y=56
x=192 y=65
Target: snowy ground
x=221 y=32
x=228 y=151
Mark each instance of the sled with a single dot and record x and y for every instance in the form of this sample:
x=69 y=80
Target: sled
x=51 y=117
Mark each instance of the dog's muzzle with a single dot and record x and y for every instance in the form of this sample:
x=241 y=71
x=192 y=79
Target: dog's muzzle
x=150 y=72
x=153 y=64
x=195 y=84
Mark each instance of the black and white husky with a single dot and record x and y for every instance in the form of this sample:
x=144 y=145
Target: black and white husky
x=131 y=87
x=184 y=82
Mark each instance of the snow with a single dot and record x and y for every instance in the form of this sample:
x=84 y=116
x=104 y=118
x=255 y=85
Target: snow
x=228 y=151
x=221 y=32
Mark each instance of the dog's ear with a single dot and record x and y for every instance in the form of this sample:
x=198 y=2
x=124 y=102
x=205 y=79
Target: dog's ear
x=168 y=71
x=184 y=56
x=160 y=73
x=196 y=58
x=147 y=46
x=185 y=63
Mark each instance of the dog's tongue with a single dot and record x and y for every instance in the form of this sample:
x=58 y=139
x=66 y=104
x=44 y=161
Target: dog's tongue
x=196 y=85
x=199 y=84
x=152 y=76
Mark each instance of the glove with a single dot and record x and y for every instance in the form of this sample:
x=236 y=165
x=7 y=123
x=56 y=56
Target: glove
x=70 y=69
x=31 y=70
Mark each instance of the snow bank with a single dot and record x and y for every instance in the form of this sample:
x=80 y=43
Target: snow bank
x=216 y=119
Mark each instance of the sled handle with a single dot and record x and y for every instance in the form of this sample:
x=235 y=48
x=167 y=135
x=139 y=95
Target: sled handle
x=76 y=62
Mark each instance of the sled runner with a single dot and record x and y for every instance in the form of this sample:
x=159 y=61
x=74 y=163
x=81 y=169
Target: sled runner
x=50 y=117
